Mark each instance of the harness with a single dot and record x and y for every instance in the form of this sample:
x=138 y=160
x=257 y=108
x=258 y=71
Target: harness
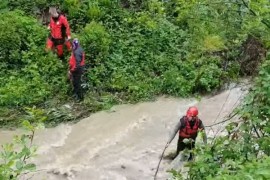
x=57 y=41
x=186 y=130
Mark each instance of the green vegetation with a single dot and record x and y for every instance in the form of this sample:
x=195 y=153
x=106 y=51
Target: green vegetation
x=135 y=51
x=16 y=157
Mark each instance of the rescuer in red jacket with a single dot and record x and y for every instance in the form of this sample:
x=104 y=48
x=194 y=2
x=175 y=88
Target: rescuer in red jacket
x=59 y=33
x=76 y=68
x=188 y=128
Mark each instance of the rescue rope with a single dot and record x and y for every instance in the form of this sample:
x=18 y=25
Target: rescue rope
x=230 y=116
x=223 y=120
x=159 y=162
x=223 y=105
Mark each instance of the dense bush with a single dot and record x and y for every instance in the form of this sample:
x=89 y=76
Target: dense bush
x=28 y=74
x=141 y=57
x=135 y=49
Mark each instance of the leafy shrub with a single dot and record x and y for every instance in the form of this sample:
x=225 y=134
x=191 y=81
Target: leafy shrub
x=15 y=157
x=30 y=75
x=208 y=74
x=96 y=41
x=213 y=44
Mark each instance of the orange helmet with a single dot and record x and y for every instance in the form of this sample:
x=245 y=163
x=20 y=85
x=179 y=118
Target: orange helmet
x=192 y=111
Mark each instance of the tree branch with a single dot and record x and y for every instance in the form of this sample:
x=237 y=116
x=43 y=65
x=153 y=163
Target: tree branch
x=256 y=131
x=265 y=22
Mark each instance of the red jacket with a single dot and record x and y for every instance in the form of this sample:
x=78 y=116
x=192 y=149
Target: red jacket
x=58 y=25
x=187 y=131
x=77 y=59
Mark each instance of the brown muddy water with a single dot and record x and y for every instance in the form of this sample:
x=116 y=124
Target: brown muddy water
x=124 y=143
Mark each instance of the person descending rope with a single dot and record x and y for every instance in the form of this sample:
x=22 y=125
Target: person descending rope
x=188 y=128
x=76 y=68
x=59 y=33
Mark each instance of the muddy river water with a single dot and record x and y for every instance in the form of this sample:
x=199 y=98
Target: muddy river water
x=121 y=144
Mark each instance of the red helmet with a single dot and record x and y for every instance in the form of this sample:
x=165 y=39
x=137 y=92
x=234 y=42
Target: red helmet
x=192 y=111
